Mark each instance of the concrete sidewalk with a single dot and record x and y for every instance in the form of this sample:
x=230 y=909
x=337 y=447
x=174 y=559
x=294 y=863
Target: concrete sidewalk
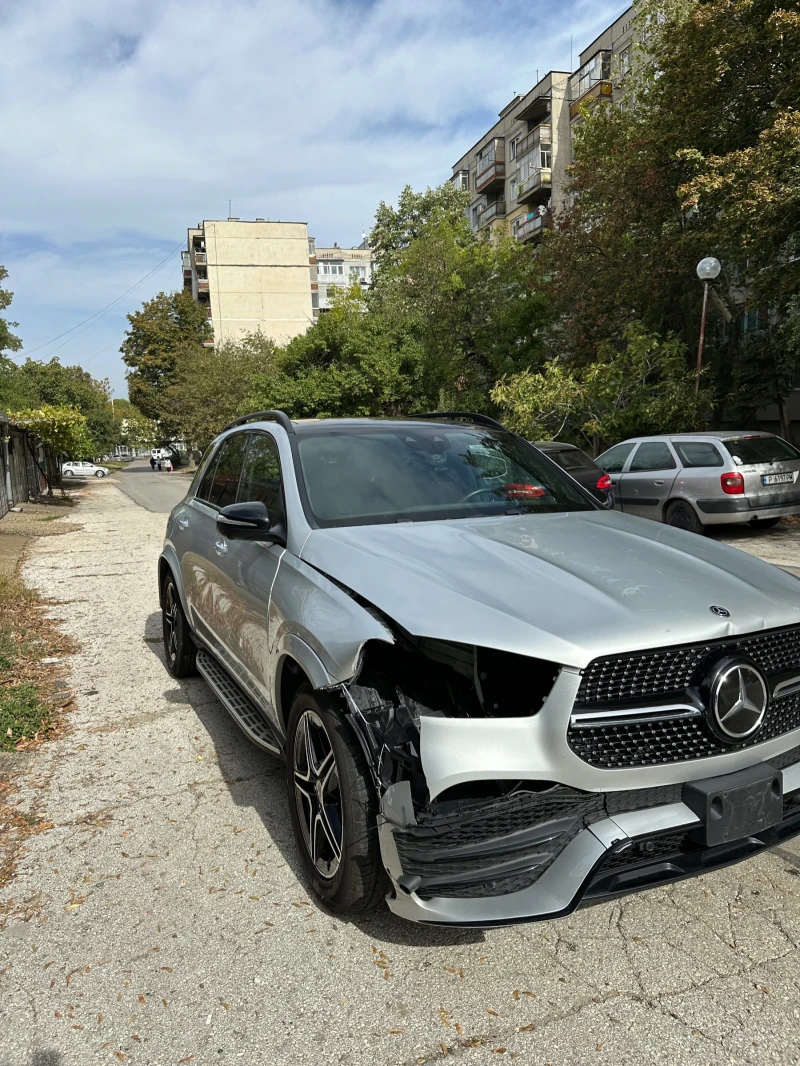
x=163 y=918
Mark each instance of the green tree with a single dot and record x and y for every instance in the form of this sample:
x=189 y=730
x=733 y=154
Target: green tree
x=635 y=388
x=349 y=363
x=702 y=160
x=212 y=386
x=8 y=342
x=63 y=429
x=396 y=227
x=166 y=329
x=472 y=306
x=60 y=386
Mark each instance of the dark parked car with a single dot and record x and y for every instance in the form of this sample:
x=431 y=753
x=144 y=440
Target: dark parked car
x=581 y=467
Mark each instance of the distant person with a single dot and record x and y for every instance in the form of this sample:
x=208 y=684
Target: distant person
x=159 y=466
x=152 y=462
x=168 y=465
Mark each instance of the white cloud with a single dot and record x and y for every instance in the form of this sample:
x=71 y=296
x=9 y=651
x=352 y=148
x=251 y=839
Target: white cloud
x=143 y=116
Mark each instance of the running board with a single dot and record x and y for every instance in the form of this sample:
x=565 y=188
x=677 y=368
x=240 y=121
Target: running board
x=238 y=705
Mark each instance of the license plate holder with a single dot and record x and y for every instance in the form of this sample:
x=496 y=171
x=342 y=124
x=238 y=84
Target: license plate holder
x=736 y=805
x=777 y=479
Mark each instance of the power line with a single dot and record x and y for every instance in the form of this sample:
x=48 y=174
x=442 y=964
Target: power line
x=102 y=310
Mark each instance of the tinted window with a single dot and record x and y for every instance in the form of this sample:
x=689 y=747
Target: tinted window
x=652 y=456
x=261 y=479
x=697 y=453
x=206 y=474
x=572 y=459
x=422 y=473
x=613 y=460
x=760 y=449
x=228 y=471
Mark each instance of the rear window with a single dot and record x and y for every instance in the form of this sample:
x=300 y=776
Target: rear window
x=572 y=459
x=698 y=453
x=746 y=450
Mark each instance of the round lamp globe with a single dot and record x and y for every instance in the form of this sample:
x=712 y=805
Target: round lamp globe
x=708 y=268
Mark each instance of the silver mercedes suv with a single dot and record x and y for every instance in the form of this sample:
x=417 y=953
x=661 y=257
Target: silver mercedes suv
x=495 y=698
x=694 y=480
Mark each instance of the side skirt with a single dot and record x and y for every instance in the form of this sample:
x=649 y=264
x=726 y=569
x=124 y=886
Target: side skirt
x=238 y=705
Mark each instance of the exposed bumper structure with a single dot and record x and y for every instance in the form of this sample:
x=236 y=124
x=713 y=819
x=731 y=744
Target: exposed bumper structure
x=482 y=866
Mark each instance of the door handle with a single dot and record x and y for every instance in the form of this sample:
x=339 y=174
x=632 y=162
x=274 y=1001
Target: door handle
x=183 y=522
x=658 y=482
x=220 y=547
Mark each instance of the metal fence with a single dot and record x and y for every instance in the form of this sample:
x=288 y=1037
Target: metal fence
x=27 y=467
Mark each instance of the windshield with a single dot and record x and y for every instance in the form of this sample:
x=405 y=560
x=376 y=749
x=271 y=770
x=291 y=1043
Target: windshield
x=746 y=450
x=412 y=474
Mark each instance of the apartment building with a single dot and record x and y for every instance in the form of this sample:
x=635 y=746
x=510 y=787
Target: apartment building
x=252 y=276
x=517 y=171
x=338 y=268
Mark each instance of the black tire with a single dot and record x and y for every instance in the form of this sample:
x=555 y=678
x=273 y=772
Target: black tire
x=68 y=473
x=683 y=516
x=763 y=523
x=356 y=881
x=99 y=473
x=179 y=650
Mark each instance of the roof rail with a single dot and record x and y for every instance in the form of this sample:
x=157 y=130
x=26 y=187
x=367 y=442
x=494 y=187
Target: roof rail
x=262 y=416
x=468 y=416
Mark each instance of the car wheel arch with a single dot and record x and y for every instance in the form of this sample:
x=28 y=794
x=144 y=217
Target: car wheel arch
x=677 y=499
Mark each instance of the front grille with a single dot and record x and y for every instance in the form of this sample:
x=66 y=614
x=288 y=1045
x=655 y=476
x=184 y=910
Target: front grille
x=672 y=740
x=666 y=671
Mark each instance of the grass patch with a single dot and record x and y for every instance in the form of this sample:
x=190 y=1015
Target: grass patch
x=23 y=714
x=27 y=635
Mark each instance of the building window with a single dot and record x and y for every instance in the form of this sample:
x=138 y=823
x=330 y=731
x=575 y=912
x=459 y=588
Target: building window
x=545 y=156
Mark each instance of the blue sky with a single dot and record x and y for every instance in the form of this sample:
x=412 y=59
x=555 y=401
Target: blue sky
x=125 y=123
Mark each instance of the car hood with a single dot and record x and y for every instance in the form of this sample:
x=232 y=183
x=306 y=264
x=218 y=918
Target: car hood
x=563 y=587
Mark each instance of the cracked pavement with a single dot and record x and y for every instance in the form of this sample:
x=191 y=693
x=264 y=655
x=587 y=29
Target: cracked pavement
x=163 y=918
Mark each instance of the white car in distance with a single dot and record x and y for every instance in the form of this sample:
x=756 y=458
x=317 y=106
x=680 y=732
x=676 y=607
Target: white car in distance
x=84 y=470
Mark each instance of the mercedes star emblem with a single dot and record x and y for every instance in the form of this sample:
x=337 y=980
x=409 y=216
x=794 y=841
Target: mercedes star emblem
x=723 y=612
x=738 y=699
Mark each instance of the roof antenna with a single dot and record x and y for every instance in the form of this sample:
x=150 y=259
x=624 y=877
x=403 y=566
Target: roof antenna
x=229 y=209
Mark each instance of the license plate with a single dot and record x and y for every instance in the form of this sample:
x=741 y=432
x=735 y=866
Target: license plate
x=777 y=479
x=736 y=805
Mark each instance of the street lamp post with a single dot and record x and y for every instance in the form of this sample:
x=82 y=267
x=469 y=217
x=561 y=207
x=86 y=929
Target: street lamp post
x=707 y=270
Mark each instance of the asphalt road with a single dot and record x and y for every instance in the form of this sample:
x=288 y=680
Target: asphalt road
x=157 y=492
x=159 y=916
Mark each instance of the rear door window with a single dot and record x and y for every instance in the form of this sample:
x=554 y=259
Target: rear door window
x=652 y=455
x=698 y=453
x=748 y=450
x=225 y=484
x=613 y=460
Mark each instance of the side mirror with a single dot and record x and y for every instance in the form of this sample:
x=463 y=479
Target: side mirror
x=248 y=521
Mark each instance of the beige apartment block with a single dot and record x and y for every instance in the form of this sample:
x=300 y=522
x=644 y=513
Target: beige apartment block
x=518 y=171
x=252 y=276
x=339 y=268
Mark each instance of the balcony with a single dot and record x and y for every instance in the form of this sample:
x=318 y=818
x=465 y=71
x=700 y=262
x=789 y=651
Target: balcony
x=491 y=166
x=491 y=212
x=591 y=82
x=202 y=286
x=526 y=229
x=208 y=342
x=536 y=187
x=186 y=262
x=200 y=258
x=540 y=135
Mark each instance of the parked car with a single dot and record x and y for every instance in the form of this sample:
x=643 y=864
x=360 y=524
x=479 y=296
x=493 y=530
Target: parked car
x=581 y=467
x=83 y=470
x=495 y=698
x=694 y=480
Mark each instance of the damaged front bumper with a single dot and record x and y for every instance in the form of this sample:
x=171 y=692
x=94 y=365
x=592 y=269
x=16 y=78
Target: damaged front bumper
x=531 y=856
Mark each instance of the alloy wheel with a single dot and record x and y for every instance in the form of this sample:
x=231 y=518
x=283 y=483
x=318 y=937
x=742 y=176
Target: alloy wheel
x=171 y=622
x=318 y=794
